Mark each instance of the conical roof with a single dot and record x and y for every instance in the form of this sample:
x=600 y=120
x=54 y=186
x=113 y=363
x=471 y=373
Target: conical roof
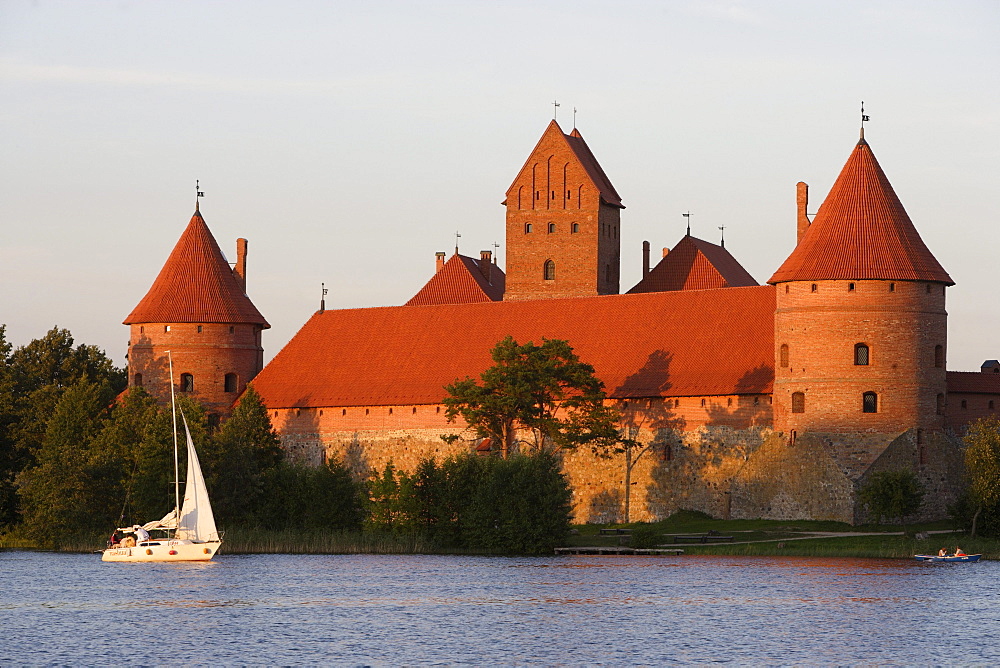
x=861 y=232
x=196 y=284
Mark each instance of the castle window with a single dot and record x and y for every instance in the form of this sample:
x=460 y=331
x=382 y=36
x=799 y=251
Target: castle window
x=552 y=228
x=437 y=409
x=232 y=329
x=940 y=404
x=861 y=354
x=729 y=401
x=137 y=380
x=798 y=402
x=367 y=411
x=814 y=287
x=668 y=452
x=850 y=287
x=527 y=228
x=939 y=356
x=991 y=404
x=414 y=410
x=199 y=329
x=569 y=194
x=677 y=403
x=892 y=287
x=187 y=382
x=142 y=329
x=928 y=288
x=702 y=403
x=343 y=411
x=965 y=404
x=390 y=410
x=166 y=328
x=230 y=382
x=549 y=271
x=869 y=402
x=786 y=288
x=576 y=227
x=756 y=401
x=538 y=194
x=783 y=355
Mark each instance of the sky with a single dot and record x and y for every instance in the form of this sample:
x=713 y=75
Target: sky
x=350 y=141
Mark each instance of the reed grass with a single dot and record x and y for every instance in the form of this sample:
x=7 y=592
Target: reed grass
x=263 y=541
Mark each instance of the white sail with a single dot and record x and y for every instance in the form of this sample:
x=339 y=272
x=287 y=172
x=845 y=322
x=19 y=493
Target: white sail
x=197 y=521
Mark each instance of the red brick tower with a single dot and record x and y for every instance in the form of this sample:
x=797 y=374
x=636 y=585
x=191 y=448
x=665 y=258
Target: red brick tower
x=563 y=223
x=860 y=326
x=197 y=308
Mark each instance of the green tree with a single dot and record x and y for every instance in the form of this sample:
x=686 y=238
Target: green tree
x=892 y=494
x=57 y=491
x=238 y=457
x=982 y=466
x=9 y=462
x=545 y=390
x=391 y=503
x=309 y=498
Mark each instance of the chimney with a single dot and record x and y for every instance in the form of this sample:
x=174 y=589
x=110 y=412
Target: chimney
x=802 y=203
x=486 y=265
x=240 y=270
x=440 y=261
x=665 y=251
x=645 y=259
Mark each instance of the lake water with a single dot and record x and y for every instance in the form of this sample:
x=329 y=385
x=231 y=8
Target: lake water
x=418 y=610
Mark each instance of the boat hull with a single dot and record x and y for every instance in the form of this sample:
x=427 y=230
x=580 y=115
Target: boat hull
x=164 y=550
x=964 y=559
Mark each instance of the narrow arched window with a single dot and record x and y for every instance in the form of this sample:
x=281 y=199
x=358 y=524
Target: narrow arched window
x=552 y=228
x=939 y=356
x=869 y=402
x=527 y=228
x=783 y=355
x=137 y=381
x=861 y=354
x=549 y=272
x=230 y=382
x=940 y=404
x=798 y=402
x=576 y=228
x=187 y=382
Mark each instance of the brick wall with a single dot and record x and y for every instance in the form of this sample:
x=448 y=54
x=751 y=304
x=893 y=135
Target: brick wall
x=900 y=322
x=552 y=194
x=207 y=351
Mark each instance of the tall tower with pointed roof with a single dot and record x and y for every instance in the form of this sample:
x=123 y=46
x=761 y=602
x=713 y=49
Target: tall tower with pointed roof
x=563 y=223
x=197 y=309
x=860 y=324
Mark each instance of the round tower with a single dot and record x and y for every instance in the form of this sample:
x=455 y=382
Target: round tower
x=860 y=323
x=198 y=310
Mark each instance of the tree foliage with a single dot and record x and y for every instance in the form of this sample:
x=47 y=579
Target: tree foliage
x=982 y=466
x=892 y=495
x=545 y=390
x=516 y=505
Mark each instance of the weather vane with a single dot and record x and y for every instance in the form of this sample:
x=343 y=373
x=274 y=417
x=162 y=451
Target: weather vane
x=688 y=216
x=555 y=110
x=197 y=193
x=574 y=118
x=496 y=252
x=722 y=230
x=457 y=237
x=322 y=299
x=863 y=119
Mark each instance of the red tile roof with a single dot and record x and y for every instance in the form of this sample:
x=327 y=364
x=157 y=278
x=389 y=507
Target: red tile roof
x=861 y=232
x=579 y=147
x=973 y=382
x=693 y=343
x=196 y=284
x=462 y=281
x=694 y=264
x=594 y=170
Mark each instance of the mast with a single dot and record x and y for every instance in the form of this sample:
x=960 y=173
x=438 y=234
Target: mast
x=177 y=473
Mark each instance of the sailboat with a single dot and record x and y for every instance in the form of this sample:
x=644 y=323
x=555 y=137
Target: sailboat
x=188 y=530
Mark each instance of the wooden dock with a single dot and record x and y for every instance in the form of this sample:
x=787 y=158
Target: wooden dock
x=621 y=549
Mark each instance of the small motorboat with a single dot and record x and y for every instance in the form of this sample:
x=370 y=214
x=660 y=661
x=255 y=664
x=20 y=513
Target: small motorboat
x=949 y=558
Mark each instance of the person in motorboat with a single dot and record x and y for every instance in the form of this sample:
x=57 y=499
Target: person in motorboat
x=959 y=553
x=942 y=552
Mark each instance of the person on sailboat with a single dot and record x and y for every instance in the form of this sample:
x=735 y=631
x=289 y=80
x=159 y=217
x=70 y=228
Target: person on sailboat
x=140 y=534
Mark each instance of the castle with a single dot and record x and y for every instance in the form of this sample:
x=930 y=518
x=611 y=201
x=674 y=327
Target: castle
x=770 y=401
